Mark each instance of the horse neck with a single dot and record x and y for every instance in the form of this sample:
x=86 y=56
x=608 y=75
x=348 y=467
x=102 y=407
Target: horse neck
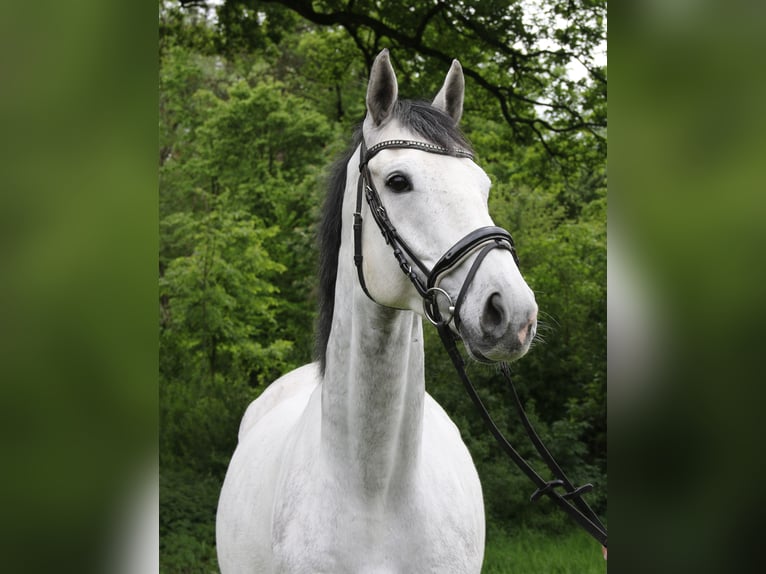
x=373 y=388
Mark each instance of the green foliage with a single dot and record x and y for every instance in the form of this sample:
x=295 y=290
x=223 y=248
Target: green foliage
x=253 y=107
x=187 y=534
x=240 y=158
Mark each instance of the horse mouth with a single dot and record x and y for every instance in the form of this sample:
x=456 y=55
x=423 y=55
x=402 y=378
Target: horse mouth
x=508 y=348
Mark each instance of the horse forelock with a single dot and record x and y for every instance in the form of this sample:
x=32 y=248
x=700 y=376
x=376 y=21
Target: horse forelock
x=423 y=120
x=430 y=123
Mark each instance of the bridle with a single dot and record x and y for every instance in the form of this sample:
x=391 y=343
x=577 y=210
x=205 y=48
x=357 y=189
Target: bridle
x=483 y=239
x=490 y=237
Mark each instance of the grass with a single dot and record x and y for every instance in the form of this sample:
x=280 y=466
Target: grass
x=527 y=552
x=524 y=552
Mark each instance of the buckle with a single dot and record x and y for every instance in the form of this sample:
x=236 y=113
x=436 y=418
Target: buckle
x=547 y=487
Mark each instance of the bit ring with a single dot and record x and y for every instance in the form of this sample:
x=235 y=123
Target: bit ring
x=430 y=306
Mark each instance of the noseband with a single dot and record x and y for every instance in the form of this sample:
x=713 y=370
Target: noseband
x=489 y=237
x=486 y=238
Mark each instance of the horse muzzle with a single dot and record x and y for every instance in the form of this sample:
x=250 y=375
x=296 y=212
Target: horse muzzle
x=504 y=332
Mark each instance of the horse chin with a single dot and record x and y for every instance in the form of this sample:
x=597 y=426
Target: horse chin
x=477 y=356
x=495 y=355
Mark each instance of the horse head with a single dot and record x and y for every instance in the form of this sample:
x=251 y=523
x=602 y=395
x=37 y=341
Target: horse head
x=436 y=208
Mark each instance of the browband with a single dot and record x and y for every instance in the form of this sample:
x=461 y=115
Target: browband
x=410 y=144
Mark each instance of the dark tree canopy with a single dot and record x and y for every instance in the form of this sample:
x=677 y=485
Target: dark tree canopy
x=540 y=61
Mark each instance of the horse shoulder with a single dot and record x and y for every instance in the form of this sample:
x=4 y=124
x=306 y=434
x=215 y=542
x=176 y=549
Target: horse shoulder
x=299 y=382
x=243 y=524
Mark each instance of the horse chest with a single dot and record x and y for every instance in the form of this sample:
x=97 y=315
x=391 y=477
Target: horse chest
x=359 y=542
x=320 y=526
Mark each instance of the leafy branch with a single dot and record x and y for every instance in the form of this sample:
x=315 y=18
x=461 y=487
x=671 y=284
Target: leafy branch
x=369 y=23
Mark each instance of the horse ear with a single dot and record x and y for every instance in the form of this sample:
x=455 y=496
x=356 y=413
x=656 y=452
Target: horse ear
x=382 y=89
x=450 y=97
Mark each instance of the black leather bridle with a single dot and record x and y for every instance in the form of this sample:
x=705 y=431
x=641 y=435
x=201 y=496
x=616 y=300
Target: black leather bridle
x=484 y=239
x=491 y=237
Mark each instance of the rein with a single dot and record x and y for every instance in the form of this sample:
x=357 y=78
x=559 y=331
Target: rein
x=487 y=239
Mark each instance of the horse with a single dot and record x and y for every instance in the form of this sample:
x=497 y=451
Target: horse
x=347 y=464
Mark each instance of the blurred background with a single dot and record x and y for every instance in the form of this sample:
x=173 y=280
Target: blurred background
x=105 y=372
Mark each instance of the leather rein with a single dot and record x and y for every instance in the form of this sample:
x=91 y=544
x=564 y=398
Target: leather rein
x=484 y=239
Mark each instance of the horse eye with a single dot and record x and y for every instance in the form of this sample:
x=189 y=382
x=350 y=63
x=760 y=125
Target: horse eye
x=398 y=183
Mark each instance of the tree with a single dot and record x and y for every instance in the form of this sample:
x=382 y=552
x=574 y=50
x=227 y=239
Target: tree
x=518 y=53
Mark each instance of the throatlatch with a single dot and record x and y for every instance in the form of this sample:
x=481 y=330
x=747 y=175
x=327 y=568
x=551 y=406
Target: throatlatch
x=484 y=239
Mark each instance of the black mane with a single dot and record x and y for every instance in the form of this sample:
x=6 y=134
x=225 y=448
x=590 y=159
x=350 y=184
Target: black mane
x=422 y=120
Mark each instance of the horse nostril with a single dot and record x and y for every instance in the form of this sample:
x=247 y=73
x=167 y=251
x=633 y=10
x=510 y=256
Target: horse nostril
x=493 y=317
